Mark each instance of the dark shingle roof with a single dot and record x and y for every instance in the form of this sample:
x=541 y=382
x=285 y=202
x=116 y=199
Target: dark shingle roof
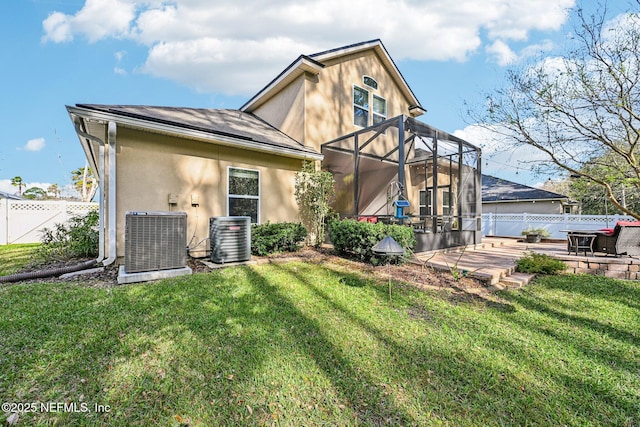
x=500 y=190
x=4 y=195
x=225 y=122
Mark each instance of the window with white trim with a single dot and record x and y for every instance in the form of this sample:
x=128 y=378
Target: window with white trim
x=448 y=198
x=370 y=81
x=360 y=107
x=366 y=105
x=243 y=195
x=379 y=109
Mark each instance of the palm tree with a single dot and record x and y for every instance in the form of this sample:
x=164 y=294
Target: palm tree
x=54 y=190
x=17 y=181
x=85 y=182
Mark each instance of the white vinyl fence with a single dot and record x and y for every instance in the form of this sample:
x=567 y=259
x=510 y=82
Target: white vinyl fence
x=556 y=225
x=22 y=221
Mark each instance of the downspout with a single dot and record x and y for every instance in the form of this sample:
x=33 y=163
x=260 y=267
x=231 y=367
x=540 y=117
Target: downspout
x=101 y=205
x=107 y=177
x=101 y=172
x=111 y=184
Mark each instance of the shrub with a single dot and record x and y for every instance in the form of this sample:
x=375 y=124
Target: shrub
x=540 y=264
x=278 y=237
x=314 y=190
x=542 y=232
x=79 y=239
x=350 y=237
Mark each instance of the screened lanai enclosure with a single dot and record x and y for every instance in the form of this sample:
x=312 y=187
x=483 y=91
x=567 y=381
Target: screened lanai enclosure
x=406 y=172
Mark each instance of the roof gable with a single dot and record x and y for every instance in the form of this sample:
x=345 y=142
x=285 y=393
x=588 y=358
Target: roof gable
x=314 y=64
x=500 y=190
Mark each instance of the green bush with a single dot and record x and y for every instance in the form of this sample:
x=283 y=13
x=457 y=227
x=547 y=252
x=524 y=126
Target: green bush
x=278 y=237
x=79 y=239
x=350 y=237
x=540 y=264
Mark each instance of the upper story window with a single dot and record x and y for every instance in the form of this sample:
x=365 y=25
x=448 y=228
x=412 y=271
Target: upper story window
x=379 y=109
x=366 y=105
x=360 y=107
x=369 y=81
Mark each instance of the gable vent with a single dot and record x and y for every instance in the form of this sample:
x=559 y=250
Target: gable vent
x=230 y=238
x=155 y=241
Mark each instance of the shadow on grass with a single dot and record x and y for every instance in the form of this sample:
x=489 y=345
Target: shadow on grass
x=371 y=405
x=223 y=348
x=578 y=323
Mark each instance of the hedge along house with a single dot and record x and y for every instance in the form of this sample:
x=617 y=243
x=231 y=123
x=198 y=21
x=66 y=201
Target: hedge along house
x=243 y=162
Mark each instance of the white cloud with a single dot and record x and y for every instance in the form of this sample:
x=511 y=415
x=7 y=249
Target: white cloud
x=503 y=55
x=96 y=20
x=36 y=144
x=502 y=52
x=236 y=47
x=118 y=69
x=503 y=159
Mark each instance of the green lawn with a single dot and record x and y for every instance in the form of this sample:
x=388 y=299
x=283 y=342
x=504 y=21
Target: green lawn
x=13 y=257
x=301 y=344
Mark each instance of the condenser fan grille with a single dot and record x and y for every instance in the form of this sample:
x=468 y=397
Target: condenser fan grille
x=230 y=238
x=155 y=241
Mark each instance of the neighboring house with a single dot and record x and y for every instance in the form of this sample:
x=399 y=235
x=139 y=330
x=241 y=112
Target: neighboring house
x=4 y=195
x=349 y=109
x=500 y=196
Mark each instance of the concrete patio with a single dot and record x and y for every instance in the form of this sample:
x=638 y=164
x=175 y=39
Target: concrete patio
x=494 y=260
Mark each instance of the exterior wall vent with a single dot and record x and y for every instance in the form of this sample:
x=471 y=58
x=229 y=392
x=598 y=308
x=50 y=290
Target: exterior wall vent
x=230 y=238
x=155 y=241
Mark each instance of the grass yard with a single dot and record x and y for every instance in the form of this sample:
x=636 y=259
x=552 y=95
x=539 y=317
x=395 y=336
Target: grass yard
x=301 y=344
x=14 y=257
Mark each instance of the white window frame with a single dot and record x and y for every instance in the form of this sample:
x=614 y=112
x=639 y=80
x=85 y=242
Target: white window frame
x=244 y=196
x=374 y=113
x=449 y=199
x=368 y=109
x=364 y=79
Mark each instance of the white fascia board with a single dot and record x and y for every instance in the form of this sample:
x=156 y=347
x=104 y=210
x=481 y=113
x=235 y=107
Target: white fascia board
x=526 y=200
x=103 y=117
x=88 y=152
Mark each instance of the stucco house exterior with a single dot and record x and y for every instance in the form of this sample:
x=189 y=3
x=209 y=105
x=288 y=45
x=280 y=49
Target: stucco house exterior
x=348 y=109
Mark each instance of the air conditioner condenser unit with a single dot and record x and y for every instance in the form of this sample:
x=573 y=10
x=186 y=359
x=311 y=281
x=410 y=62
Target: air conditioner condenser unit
x=230 y=238
x=155 y=241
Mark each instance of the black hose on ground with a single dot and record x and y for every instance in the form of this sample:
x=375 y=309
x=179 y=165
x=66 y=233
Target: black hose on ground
x=47 y=273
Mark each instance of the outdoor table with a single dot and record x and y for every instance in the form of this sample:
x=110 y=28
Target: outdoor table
x=581 y=240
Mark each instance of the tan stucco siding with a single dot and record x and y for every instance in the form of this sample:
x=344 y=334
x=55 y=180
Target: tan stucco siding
x=329 y=101
x=317 y=109
x=285 y=110
x=152 y=166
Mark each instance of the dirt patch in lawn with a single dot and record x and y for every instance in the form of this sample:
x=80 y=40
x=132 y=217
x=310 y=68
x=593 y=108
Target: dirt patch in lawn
x=410 y=274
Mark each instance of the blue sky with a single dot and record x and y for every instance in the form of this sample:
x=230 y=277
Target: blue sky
x=216 y=54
